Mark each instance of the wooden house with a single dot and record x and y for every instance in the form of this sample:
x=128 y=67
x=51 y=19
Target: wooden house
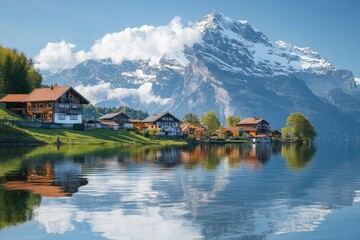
x=120 y=118
x=254 y=125
x=196 y=129
x=165 y=123
x=54 y=104
x=275 y=134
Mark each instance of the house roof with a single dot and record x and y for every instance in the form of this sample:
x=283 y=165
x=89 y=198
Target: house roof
x=251 y=120
x=109 y=123
x=196 y=126
x=43 y=94
x=111 y=115
x=46 y=94
x=157 y=116
x=13 y=98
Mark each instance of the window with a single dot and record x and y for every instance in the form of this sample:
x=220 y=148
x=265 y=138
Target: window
x=74 y=106
x=73 y=117
x=67 y=105
x=61 y=105
x=61 y=117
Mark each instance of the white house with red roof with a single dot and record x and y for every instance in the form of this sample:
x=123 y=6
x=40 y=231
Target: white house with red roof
x=57 y=104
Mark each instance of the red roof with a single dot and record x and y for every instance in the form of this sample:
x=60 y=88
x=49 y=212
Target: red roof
x=14 y=98
x=46 y=94
x=250 y=120
x=42 y=94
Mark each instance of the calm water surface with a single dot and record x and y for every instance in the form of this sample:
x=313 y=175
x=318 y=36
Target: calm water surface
x=199 y=192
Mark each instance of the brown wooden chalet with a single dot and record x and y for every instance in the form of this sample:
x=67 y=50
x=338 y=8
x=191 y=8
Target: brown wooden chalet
x=120 y=118
x=58 y=104
x=254 y=126
x=164 y=122
x=196 y=129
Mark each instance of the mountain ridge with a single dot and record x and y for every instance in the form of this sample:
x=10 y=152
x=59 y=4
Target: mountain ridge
x=233 y=69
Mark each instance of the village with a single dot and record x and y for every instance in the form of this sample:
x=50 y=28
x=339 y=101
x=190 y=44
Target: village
x=62 y=107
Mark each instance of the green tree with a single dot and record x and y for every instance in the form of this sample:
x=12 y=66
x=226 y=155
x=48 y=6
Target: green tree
x=191 y=118
x=232 y=120
x=17 y=72
x=285 y=132
x=210 y=121
x=300 y=128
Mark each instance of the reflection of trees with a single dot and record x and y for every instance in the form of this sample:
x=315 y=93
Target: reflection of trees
x=298 y=156
x=16 y=206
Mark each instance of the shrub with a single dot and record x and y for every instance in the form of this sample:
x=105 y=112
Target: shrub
x=79 y=127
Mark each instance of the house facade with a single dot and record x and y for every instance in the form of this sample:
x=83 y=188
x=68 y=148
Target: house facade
x=120 y=118
x=195 y=129
x=55 y=104
x=254 y=125
x=165 y=123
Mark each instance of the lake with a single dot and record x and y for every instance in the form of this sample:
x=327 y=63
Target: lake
x=238 y=191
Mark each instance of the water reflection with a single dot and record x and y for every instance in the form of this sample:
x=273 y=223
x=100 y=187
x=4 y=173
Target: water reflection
x=298 y=156
x=238 y=191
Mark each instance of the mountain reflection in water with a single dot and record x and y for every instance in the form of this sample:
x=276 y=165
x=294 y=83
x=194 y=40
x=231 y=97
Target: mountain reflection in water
x=228 y=191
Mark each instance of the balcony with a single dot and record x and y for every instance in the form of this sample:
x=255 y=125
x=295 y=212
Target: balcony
x=45 y=110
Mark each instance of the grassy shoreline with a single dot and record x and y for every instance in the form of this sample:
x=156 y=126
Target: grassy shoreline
x=33 y=136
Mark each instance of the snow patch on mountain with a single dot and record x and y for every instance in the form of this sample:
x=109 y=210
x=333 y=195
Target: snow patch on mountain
x=357 y=81
x=308 y=59
x=139 y=76
x=104 y=91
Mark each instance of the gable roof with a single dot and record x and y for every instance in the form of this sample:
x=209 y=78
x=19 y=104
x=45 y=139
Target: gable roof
x=196 y=126
x=157 y=116
x=14 y=98
x=251 y=120
x=43 y=94
x=111 y=115
x=46 y=94
x=109 y=123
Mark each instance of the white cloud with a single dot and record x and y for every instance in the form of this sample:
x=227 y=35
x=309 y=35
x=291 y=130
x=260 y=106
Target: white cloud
x=104 y=91
x=145 y=42
x=58 y=56
x=56 y=217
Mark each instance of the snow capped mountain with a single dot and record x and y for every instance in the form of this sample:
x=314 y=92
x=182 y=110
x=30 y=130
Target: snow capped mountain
x=233 y=69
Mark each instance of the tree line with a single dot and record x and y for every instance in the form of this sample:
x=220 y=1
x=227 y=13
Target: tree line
x=94 y=112
x=17 y=72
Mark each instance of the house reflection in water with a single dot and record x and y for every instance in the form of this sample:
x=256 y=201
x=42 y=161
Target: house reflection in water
x=48 y=179
x=252 y=155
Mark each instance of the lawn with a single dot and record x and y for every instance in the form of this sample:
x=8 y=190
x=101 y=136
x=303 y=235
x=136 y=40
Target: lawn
x=4 y=113
x=13 y=134
x=96 y=137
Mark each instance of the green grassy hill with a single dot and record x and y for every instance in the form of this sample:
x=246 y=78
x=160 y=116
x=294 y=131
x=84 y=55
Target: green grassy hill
x=13 y=134
x=4 y=113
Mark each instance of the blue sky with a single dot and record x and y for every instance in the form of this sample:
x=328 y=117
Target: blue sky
x=328 y=27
